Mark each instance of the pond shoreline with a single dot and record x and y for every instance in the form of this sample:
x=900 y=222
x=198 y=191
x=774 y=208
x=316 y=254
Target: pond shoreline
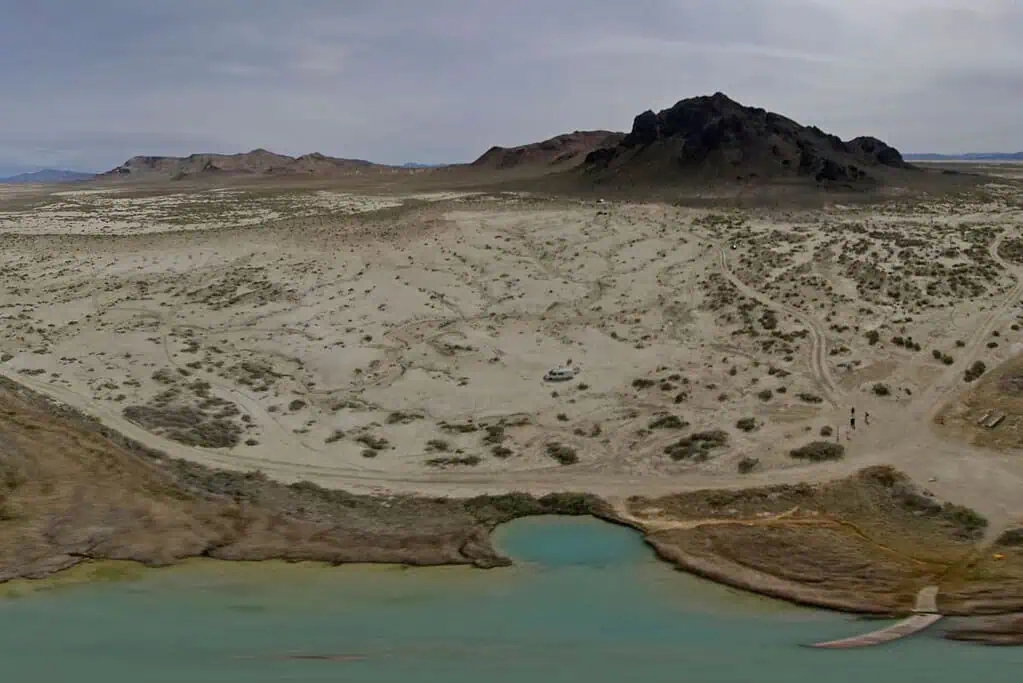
x=159 y=511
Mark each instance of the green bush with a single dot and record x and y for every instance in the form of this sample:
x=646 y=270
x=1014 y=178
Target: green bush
x=668 y=422
x=819 y=451
x=697 y=446
x=748 y=464
x=468 y=460
x=747 y=424
x=565 y=455
x=975 y=371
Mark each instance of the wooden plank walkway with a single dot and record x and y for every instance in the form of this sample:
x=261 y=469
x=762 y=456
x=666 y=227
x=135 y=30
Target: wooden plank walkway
x=925 y=614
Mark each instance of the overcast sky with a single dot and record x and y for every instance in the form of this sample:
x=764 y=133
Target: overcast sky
x=89 y=83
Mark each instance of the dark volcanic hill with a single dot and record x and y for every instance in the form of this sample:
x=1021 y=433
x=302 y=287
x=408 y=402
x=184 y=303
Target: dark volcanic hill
x=562 y=151
x=715 y=139
x=256 y=162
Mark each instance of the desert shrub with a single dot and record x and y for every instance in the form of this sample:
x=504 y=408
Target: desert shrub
x=461 y=428
x=826 y=431
x=873 y=336
x=819 y=451
x=973 y=372
x=1013 y=538
x=642 y=383
x=562 y=417
x=467 y=460
x=881 y=389
x=937 y=354
x=438 y=445
x=765 y=394
x=697 y=446
x=494 y=434
x=746 y=424
x=668 y=422
x=748 y=464
x=807 y=397
x=335 y=436
x=501 y=452
x=565 y=455
x=401 y=417
x=971 y=522
x=373 y=442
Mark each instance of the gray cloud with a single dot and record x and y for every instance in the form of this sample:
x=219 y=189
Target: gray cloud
x=89 y=84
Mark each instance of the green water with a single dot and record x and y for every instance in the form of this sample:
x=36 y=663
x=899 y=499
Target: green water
x=586 y=602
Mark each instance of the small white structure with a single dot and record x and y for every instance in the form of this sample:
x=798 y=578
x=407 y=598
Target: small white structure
x=560 y=374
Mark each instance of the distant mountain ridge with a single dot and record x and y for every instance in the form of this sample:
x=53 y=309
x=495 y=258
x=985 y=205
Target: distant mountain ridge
x=256 y=162
x=968 y=156
x=48 y=175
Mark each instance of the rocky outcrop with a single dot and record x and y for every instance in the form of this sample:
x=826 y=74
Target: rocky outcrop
x=716 y=138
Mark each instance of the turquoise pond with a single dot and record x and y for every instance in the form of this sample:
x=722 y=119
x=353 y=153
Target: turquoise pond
x=586 y=601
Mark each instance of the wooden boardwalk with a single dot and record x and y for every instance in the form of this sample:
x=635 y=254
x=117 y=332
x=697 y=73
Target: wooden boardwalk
x=925 y=614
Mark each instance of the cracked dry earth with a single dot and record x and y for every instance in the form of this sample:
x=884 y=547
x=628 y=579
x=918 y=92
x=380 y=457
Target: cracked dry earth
x=402 y=349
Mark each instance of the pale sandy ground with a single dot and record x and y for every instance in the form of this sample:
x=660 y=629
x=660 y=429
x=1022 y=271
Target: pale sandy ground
x=302 y=322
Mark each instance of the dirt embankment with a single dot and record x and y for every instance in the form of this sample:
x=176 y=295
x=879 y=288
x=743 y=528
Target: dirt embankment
x=867 y=543
x=72 y=490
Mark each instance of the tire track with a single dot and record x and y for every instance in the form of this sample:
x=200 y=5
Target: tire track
x=932 y=401
x=818 y=340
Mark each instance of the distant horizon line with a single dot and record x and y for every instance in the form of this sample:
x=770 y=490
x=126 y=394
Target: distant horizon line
x=37 y=169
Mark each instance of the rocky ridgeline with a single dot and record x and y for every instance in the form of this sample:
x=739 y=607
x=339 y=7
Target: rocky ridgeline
x=717 y=138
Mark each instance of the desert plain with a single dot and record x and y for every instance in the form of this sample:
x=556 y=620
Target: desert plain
x=392 y=342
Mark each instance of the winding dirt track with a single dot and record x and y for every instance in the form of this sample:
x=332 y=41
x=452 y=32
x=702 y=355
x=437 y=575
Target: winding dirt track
x=818 y=337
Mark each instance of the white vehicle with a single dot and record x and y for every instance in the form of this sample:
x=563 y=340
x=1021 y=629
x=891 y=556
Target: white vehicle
x=560 y=374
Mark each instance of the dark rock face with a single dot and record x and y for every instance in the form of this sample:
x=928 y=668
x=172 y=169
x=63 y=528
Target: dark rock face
x=718 y=137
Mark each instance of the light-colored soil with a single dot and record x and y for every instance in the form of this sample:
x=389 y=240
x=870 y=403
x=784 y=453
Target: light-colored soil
x=389 y=341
